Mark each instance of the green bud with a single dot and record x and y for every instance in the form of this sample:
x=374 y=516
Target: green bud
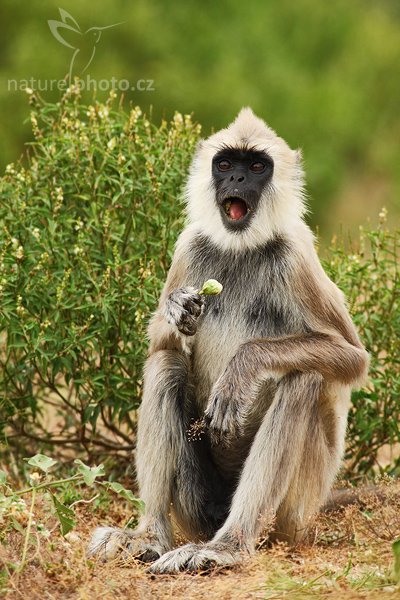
x=211 y=287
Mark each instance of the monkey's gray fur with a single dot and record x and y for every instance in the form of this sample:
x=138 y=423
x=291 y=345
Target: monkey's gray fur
x=269 y=364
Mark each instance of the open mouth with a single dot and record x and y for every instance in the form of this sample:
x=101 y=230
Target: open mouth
x=235 y=208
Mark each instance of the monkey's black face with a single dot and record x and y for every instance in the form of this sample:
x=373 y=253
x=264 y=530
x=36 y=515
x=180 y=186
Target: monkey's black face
x=240 y=177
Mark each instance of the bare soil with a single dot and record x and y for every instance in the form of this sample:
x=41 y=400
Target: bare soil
x=348 y=555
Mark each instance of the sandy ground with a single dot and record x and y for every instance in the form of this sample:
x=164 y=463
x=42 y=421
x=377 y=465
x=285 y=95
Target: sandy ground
x=348 y=556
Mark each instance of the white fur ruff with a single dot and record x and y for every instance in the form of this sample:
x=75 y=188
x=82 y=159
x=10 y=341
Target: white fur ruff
x=282 y=205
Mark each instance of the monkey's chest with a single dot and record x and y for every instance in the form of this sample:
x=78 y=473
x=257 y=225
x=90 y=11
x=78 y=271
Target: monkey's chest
x=256 y=302
x=230 y=320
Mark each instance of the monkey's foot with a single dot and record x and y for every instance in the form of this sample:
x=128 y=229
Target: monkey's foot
x=198 y=557
x=108 y=542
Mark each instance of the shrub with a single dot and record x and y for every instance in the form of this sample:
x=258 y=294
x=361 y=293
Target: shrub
x=87 y=230
x=368 y=274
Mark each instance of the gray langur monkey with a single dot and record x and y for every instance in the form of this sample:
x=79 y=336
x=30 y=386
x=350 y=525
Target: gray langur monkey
x=268 y=364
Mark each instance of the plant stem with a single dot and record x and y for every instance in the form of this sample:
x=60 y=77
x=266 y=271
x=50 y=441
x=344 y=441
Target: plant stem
x=47 y=485
x=28 y=530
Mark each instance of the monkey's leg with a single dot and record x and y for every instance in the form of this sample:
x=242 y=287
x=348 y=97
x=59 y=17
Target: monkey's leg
x=160 y=437
x=273 y=461
x=315 y=474
x=169 y=468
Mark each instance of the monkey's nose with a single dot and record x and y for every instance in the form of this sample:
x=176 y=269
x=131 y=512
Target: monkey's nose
x=239 y=179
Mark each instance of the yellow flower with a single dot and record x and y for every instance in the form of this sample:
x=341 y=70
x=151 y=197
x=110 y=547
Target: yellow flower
x=19 y=254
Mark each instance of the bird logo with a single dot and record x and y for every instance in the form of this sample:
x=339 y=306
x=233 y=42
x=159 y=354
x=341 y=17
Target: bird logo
x=83 y=43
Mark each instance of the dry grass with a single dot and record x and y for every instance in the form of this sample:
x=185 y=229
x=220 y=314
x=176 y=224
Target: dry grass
x=348 y=556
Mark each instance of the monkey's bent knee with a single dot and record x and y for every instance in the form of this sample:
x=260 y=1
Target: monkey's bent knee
x=164 y=360
x=165 y=368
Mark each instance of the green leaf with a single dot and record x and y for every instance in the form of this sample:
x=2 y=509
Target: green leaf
x=396 y=566
x=3 y=477
x=66 y=515
x=89 y=473
x=127 y=494
x=17 y=526
x=42 y=462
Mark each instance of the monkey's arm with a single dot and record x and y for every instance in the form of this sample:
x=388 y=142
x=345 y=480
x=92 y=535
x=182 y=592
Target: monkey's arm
x=332 y=346
x=327 y=353
x=321 y=302
x=257 y=360
x=232 y=395
x=175 y=319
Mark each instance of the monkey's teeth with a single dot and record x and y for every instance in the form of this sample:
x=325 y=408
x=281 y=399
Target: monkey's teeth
x=228 y=207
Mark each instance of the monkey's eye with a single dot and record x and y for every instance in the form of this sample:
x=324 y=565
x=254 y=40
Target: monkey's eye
x=224 y=165
x=257 y=167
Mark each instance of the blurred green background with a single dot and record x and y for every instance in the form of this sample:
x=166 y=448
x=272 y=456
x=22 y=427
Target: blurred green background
x=324 y=75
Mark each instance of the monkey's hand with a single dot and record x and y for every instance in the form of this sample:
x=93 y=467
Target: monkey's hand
x=183 y=308
x=227 y=408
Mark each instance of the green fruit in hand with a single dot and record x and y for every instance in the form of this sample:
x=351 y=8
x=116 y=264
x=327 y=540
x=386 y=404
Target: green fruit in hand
x=211 y=287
